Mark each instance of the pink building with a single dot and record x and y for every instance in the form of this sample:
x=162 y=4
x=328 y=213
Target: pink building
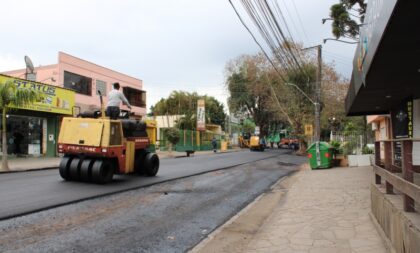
x=86 y=79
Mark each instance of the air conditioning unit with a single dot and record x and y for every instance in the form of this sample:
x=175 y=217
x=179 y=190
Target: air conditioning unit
x=374 y=126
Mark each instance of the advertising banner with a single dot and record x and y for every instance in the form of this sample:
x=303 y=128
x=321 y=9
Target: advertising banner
x=55 y=99
x=201 y=115
x=402 y=120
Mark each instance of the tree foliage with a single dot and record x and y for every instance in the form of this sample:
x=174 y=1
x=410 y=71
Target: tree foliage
x=347 y=15
x=10 y=98
x=185 y=103
x=248 y=79
x=172 y=133
x=250 y=95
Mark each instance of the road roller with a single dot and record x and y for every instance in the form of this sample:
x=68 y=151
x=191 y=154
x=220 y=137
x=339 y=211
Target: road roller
x=96 y=147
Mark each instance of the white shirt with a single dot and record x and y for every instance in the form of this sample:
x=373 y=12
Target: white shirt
x=115 y=97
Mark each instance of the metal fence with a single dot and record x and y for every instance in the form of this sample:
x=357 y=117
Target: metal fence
x=190 y=140
x=353 y=142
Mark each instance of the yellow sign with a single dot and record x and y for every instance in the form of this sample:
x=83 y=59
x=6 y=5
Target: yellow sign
x=55 y=99
x=309 y=130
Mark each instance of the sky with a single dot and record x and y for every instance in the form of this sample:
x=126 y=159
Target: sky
x=170 y=45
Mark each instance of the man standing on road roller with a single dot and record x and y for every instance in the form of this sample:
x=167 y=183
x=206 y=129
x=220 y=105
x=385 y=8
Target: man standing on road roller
x=115 y=97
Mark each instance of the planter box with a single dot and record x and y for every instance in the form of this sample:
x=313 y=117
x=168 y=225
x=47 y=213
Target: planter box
x=359 y=160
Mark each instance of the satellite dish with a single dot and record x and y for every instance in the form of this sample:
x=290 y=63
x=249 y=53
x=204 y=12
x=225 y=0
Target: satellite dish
x=29 y=64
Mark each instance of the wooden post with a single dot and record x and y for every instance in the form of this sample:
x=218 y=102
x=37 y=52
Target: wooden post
x=388 y=161
x=378 y=153
x=377 y=179
x=407 y=170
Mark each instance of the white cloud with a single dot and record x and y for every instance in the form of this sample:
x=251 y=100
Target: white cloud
x=11 y=62
x=170 y=45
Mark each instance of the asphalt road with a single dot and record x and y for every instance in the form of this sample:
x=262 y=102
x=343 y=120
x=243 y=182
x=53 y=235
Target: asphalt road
x=27 y=192
x=168 y=217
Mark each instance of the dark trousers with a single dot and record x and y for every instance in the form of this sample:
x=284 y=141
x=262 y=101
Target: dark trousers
x=113 y=112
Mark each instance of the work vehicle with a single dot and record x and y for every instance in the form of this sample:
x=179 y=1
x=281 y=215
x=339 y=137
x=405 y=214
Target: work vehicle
x=289 y=142
x=257 y=143
x=244 y=140
x=95 y=148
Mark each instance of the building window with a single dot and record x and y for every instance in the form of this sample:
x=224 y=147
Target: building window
x=135 y=97
x=78 y=83
x=101 y=86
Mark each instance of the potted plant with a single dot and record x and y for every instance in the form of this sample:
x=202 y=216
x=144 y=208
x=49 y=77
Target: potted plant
x=339 y=159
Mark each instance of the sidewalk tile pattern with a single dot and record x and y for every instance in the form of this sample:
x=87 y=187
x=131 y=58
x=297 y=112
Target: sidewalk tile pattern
x=324 y=211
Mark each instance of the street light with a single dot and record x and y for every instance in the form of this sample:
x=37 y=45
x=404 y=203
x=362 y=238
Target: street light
x=301 y=91
x=317 y=120
x=348 y=42
x=325 y=19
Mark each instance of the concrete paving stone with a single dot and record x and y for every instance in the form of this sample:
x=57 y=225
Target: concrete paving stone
x=325 y=211
x=301 y=241
x=345 y=224
x=323 y=243
x=344 y=233
x=263 y=244
x=300 y=247
x=326 y=250
x=358 y=243
x=370 y=249
x=279 y=241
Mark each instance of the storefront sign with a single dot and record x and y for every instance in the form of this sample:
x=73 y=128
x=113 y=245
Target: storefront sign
x=402 y=120
x=55 y=99
x=378 y=14
x=201 y=115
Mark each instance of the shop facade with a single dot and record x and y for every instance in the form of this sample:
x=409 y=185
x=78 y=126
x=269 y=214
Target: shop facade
x=385 y=82
x=87 y=79
x=33 y=130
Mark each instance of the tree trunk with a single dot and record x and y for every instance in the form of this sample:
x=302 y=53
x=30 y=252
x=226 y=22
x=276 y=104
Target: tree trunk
x=170 y=149
x=4 y=163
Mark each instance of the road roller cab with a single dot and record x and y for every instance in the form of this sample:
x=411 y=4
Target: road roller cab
x=97 y=148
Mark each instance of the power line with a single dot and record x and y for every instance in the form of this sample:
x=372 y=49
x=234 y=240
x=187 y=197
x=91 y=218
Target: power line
x=268 y=58
x=300 y=20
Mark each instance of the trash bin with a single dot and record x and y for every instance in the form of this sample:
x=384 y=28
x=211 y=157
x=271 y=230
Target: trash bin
x=326 y=154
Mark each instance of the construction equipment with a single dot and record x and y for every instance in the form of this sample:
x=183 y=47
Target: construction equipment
x=244 y=140
x=257 y=143
x=95 y=148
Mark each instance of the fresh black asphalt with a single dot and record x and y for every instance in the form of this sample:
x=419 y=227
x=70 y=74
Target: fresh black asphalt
x=27 y=192
x=170 y=217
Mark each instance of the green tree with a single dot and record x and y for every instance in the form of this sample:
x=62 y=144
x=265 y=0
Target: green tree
x=250 y=95
x=344 y=21
x=173 y=136
x=11 y=97
x=185 y=103
x=248 y=80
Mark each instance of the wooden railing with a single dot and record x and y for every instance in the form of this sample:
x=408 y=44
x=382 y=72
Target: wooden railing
x=386 y=168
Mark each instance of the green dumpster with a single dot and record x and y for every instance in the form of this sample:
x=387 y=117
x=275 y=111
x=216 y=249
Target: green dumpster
x=326 y=155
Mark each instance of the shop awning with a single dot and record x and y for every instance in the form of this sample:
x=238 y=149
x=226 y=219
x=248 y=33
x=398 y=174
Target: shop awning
x=386 y=67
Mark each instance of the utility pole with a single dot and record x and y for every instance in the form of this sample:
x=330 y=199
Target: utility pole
x=318 y=106
x=317 y=103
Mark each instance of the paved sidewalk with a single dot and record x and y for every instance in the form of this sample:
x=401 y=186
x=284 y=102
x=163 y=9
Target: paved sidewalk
x=322 y=211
